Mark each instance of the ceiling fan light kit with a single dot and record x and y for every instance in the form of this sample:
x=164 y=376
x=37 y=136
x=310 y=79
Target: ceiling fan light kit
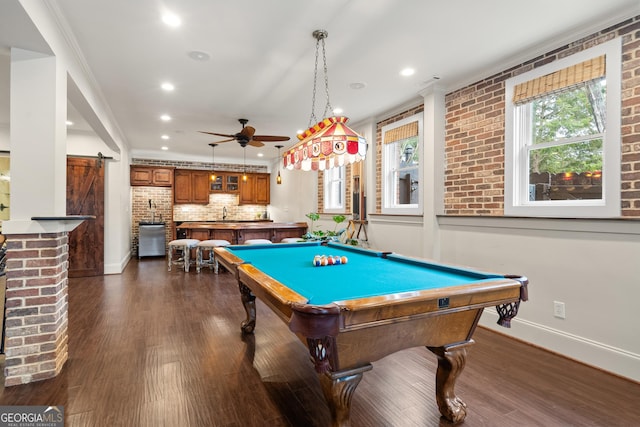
x=330 y=142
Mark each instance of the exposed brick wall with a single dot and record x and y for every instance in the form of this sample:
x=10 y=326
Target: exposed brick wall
x=213 y=211
x=162 y=202
x=36 y=344
x=408 y=113
x=228 y=167
x=475 y=117
x=630 y=117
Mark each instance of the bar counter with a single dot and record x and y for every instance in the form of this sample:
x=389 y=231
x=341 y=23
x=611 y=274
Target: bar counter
x=238 y=232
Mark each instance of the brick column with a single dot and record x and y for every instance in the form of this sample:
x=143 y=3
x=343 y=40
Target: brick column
x=36 y=344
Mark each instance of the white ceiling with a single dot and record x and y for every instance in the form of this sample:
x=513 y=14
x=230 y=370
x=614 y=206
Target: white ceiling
x=262 y=57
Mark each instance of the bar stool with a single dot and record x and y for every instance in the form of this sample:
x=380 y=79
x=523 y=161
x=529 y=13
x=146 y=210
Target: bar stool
x=184 y=245
x=292 y=240
x=257 y=242
x=208 y=245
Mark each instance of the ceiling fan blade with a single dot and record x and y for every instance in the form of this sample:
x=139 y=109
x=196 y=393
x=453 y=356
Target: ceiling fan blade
x=270 y=138
x=217 y=134
x=255 y=143
x=224 y=140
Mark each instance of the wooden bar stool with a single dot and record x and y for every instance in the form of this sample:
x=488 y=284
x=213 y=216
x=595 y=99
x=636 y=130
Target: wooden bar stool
x=185 y=246
x=208 y=245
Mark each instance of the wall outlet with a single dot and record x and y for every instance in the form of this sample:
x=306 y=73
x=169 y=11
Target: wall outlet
x=558 y=310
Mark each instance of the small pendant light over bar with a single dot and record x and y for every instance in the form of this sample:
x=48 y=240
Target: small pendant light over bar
x=329 y=142
x=213 y=176
x=279 y=178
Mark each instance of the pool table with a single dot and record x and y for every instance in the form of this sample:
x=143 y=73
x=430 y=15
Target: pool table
x=378 y=303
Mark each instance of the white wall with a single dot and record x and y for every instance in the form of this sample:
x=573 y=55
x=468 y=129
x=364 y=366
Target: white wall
x=117 y=219
x=295 y=197
x=400 y=234
x=591 y=266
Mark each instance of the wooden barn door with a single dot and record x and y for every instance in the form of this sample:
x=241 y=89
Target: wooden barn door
x=85 y=196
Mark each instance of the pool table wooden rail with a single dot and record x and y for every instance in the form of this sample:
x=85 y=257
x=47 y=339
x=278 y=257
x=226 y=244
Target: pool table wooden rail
x=392 y=307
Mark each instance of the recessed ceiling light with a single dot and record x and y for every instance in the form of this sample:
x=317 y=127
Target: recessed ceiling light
x=165 y=137
x=357 y=85
x=407 y=72
x=299 y=131
x=260 y=154
x=69 y=123
x=171 y=19
x=338 y=111
x=165 y=148
x=197 y=55
x=167 y=86
x=165 y=117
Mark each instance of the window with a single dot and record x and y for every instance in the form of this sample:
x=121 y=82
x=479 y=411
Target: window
x=562 y=152
x=334 y=190
x=401 y=154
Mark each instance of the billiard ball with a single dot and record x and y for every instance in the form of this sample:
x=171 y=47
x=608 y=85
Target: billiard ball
x=343 y=260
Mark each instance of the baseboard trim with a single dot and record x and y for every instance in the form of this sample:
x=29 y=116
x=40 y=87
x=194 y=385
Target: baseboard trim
x=601 y=356
x=118 y=268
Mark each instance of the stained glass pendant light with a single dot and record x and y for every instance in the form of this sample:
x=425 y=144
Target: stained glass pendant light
x=329 y=142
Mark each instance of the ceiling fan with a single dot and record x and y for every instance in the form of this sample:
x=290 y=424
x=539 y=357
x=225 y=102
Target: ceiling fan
x=247 y=136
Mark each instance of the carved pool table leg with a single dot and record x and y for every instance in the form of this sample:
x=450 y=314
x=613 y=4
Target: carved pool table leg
x=249 y=303
x=338 y=388
x=451 y=361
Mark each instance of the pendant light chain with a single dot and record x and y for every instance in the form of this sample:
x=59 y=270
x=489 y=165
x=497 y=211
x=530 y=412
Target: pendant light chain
x=328 y=142
x=327 y=107
x=320 y=35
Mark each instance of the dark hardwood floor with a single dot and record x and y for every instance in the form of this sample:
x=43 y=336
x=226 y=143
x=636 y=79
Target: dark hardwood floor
x=157 y=348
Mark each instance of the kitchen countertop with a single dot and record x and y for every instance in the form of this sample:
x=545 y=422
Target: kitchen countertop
x=224 y=221
x=237 y=225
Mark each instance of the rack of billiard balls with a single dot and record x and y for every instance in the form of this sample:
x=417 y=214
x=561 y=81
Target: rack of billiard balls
x=323 y=260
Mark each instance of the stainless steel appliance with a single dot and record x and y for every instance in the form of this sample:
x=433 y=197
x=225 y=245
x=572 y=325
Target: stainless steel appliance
x=152 y=239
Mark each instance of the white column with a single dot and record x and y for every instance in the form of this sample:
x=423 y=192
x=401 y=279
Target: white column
x=433 y=173
x=37 y=135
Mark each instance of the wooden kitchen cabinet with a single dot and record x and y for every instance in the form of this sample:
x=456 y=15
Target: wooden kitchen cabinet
x=225 y=183
x=191 y=186
x=232 y=182
x=151 y=176
x=256 y=189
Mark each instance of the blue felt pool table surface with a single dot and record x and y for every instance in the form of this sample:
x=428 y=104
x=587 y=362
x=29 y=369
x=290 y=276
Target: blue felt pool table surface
x=366 y=274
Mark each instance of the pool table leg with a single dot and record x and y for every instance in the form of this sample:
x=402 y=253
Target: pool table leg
x=249 y=303
x=338 y=388
x=451 y=361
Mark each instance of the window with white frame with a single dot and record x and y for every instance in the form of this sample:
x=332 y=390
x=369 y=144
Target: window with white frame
x=402 y=175
x=334 y=190
x=562 y=152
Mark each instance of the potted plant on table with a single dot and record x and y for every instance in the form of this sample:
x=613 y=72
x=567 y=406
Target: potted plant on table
x=326 y=235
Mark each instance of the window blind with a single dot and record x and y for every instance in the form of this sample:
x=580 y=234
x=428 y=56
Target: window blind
x=401 y=132
x=571 y=76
